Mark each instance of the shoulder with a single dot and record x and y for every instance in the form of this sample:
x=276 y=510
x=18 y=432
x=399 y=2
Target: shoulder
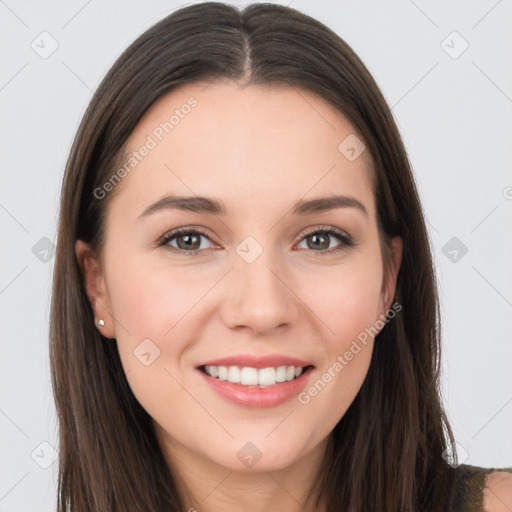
x=497 y=496
x=480 y=489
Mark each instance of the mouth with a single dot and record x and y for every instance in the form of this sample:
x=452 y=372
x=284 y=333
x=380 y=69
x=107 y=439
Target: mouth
x=259 y=381
x=256 y=388
x=250 y=377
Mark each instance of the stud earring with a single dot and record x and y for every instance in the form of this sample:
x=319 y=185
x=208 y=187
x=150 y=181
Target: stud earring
x=101 y=322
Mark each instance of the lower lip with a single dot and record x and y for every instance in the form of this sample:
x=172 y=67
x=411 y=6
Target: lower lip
x=258 y=398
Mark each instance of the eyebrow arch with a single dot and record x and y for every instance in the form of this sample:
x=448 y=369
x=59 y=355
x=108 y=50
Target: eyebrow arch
x=215 y=207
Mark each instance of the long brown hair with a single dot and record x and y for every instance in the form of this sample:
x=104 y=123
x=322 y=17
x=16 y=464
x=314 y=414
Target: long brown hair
x=385 y=454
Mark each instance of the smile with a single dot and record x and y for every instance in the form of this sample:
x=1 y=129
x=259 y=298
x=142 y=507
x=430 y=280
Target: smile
x=254 y=377
x=256 y=396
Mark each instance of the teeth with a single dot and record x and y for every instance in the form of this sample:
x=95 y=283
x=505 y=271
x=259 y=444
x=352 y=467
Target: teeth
x=247 y=376
x=234 y=374
x=223 y=371
x=281 y=374
x=266 y=376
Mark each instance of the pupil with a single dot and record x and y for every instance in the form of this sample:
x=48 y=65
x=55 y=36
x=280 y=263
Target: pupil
x=316 y=237
x=188 y=243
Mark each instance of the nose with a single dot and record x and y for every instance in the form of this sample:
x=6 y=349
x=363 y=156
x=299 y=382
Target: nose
x=259 y=296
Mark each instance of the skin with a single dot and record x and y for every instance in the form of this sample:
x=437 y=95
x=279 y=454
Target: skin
x=259 y=149
x=497 y=495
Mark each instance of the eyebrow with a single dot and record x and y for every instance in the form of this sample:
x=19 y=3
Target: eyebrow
x=215 y=207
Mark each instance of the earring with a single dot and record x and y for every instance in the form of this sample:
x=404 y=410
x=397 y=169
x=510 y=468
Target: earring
x=101 y=322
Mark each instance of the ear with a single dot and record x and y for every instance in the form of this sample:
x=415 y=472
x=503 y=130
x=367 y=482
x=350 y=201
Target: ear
x=96 y=288
x=389 y=285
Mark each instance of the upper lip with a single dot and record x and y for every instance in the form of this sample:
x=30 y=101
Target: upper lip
x=253 y=361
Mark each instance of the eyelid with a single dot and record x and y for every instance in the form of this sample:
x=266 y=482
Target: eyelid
x=346 y=241
x=178 y=231
x=326 y=227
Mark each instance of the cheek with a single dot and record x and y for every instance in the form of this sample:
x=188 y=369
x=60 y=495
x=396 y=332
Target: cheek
x=150 y=300
x=346 y=300
x=151 y=308
x=348 y=352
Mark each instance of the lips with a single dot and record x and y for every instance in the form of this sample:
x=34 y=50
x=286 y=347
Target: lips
x=254 y=361
x=255 y=397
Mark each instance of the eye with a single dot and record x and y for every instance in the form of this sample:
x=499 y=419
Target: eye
x=189 y=240
x=320 y=239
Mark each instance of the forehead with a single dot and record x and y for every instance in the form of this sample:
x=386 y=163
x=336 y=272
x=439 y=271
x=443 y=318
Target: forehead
x=249 y=146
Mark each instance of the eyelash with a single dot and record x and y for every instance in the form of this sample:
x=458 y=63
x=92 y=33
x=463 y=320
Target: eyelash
x=346 y=241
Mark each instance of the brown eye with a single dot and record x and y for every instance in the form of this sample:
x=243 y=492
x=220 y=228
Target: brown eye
x=188 y=240
x=319 y=241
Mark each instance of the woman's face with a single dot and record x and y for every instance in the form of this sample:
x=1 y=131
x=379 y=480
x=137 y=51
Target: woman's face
x=260 y=279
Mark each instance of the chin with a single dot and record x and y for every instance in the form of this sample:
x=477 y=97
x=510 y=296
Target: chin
x=253 y=454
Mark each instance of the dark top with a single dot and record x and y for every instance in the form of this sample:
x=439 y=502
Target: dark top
x=470 y=487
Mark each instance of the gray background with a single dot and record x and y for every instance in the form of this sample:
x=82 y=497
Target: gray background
x=454 y=112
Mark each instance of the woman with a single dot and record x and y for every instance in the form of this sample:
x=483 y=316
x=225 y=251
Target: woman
x=244 y=311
